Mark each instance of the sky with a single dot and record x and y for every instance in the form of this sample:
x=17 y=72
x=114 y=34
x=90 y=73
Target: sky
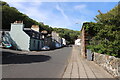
x=64 y=14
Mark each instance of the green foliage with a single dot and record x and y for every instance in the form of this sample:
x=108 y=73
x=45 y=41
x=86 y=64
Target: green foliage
x=69 y=35
x=105 y=34
x=3 y=3
x=91 y=28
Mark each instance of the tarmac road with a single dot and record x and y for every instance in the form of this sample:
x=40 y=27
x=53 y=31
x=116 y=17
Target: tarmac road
x=42 y=64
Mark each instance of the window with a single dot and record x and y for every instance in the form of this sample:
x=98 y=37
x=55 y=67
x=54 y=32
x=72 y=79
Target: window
x=34 y=43
x=33 y=35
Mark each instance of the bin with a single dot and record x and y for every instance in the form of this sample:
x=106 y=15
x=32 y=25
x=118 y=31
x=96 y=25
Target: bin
x=89 y=55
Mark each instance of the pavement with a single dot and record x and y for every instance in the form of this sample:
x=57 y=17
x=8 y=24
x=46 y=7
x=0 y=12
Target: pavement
x=78 y=67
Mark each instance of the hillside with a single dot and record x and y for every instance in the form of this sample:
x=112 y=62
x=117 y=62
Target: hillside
x=69 y=35
x=11 y=14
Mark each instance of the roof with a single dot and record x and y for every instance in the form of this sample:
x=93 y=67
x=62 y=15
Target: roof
x=35 y=26
x=30 y=32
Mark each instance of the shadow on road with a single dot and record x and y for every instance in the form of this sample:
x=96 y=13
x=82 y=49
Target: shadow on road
x=14 y=58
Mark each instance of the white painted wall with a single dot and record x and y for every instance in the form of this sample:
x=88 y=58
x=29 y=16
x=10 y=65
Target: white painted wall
x=63 y=41
x=19 y=36
x=78 y=42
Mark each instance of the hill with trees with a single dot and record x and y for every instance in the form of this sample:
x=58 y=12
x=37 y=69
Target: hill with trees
x=11 y=14
x=69 y=35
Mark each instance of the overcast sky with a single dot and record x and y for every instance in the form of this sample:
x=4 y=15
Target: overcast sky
x=62 y=14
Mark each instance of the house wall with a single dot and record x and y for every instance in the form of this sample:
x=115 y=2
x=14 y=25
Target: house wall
x=36 y=44
x=77 y=42
x=7 y=38
x=53 y=45
x=0 y=38
x=19 y=36
x=57 y=39
x=48 y=41
x=63 y=42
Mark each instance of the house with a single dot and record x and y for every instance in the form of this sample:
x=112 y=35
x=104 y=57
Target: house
x=0 y=38
x=26 y=38
x=63 y=42
x=78 y=42
x=31 y=38
x=56 y=39
x=5 y=40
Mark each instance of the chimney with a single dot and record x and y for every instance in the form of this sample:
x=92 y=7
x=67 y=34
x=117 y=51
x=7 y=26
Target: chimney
x=17 y=26
x=35 y=28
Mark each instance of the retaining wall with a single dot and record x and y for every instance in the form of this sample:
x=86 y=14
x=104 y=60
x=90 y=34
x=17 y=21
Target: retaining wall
x=110 y=63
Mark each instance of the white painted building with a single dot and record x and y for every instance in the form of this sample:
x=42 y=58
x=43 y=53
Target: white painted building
x=25 y=38
x=78 y=42
x=63 y=42
x=57 y=39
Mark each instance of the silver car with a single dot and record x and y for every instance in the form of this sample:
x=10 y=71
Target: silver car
x=45 y=48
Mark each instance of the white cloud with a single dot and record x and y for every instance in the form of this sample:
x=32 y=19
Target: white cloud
x=83 y=9
x=36 y=13
x=36 y=3
x=64 y=20
x=79 y=7
x=62 y=12
x=31 y=9
x=16 y=4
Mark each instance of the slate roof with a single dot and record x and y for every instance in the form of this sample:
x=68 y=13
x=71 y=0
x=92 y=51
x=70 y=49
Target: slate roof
x=32 y=33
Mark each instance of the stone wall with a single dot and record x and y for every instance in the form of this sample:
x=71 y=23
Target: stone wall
x=110 y=63
x=83 y=43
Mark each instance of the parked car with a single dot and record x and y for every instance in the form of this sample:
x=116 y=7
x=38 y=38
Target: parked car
x=45 y=48
x=70 y=45
x=6 y=44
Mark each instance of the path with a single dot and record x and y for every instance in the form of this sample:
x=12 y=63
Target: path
x=79 y=67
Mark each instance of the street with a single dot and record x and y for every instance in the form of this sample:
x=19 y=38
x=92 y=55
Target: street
x=41 y=64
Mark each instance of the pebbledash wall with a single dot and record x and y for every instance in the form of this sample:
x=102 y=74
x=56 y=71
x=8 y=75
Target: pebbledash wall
x=110 y=63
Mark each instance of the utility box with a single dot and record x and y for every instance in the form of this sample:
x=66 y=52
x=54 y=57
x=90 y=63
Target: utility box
x=89 y=55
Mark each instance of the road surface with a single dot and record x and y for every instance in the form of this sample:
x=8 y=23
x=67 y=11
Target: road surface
x=42 y=64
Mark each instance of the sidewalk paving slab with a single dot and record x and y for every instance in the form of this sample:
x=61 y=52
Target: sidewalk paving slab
x=79 y=68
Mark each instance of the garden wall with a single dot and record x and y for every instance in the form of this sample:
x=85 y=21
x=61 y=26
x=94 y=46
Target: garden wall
x=110 y=63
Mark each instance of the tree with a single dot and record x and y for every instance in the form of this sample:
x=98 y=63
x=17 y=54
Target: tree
x=105 y=33
x=69 y=35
